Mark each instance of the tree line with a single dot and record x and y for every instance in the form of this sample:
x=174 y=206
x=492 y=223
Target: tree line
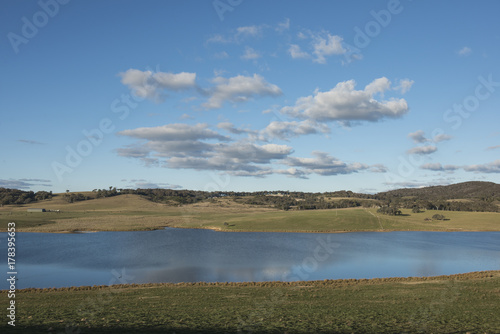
x=15 y=196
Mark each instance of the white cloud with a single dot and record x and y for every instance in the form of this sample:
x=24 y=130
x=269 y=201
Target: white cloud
x=422 y=150
x=404 y=85
x=301 y=35
x=221 y=55
x=292 y=172
x=229 y=127
x=151 y=85
x=171 y=132
x=344 y=103
x=493 y=147
x=465 y=51
x=186 y=116
x=418 y=136
x=296 y=52
x=282 y=26
x=324 y=164
x=286 y=130
x=492 y=167
x=378 y=168
x=331 y=45
x=441 y=137
x=184 y=146
x=218 y=38
x=379 y=85
x=239 y=89
x=133 y=151
x=250 y=54
x=242 y=159
x=439 y=167
x=24 y=183
x=248 y=31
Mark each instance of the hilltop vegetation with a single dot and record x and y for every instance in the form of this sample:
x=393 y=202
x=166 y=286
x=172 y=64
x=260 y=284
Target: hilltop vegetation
x=468 y=190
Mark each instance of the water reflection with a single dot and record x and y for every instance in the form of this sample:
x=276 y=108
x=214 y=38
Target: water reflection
x=182 y=255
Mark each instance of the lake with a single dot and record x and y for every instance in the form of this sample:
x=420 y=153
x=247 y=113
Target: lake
x=193 y=255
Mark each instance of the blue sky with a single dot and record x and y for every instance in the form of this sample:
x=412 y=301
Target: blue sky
x=249 y=95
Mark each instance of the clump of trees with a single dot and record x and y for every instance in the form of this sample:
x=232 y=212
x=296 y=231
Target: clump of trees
x=106 y=193
x=16 y=196
x=416 y=209
x=389 y=210
x=438 y=216
x=73 y=197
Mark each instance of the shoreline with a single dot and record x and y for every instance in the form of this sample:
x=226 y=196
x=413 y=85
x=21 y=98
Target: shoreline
x=341 y=281
x=217 y=229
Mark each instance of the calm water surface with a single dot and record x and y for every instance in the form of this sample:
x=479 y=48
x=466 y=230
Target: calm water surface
x=185 y=255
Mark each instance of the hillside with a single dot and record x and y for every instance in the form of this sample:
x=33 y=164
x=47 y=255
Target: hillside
x=465 y=190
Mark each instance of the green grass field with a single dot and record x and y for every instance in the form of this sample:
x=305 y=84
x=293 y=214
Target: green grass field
x=131 y=212
x=468 y=303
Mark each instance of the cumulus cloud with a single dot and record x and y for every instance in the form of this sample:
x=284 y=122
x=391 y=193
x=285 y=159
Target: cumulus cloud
x=283 y=26
x=285 y=130
x=24 y=184
x=327 y=46
x=239 y=89
x=295 y=52
x=152 y=85
x=242 y=159
x=171 y=132
x=441 y=137
x=192 y=147
x=324 y=164
x=423 y=150
x=492 y=167
x=183 y=146
x=248 y=31
x=438 y=167
x=250 y=54
x=345 y=103
x=378 y=168
x=418 y=136
x=322 y=45
x=404 y=85
x=221 y=55
x=133 y=151
x=465 y=51
x=292 y=172
x=229 y=127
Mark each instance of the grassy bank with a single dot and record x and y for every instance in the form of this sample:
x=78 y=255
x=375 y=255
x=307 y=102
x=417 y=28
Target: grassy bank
x=468 y=303
x=131 y=212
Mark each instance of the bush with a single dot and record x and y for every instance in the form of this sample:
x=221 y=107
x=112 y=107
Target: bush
x=437 y=216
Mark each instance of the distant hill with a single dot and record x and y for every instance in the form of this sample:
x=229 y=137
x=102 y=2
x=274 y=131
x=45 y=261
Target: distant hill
x=465 y=190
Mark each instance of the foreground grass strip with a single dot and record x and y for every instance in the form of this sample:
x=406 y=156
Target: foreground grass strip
x=445 y=304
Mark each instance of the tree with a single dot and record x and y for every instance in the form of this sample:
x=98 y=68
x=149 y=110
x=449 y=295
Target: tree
x=415 y=209
x=437 y=216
